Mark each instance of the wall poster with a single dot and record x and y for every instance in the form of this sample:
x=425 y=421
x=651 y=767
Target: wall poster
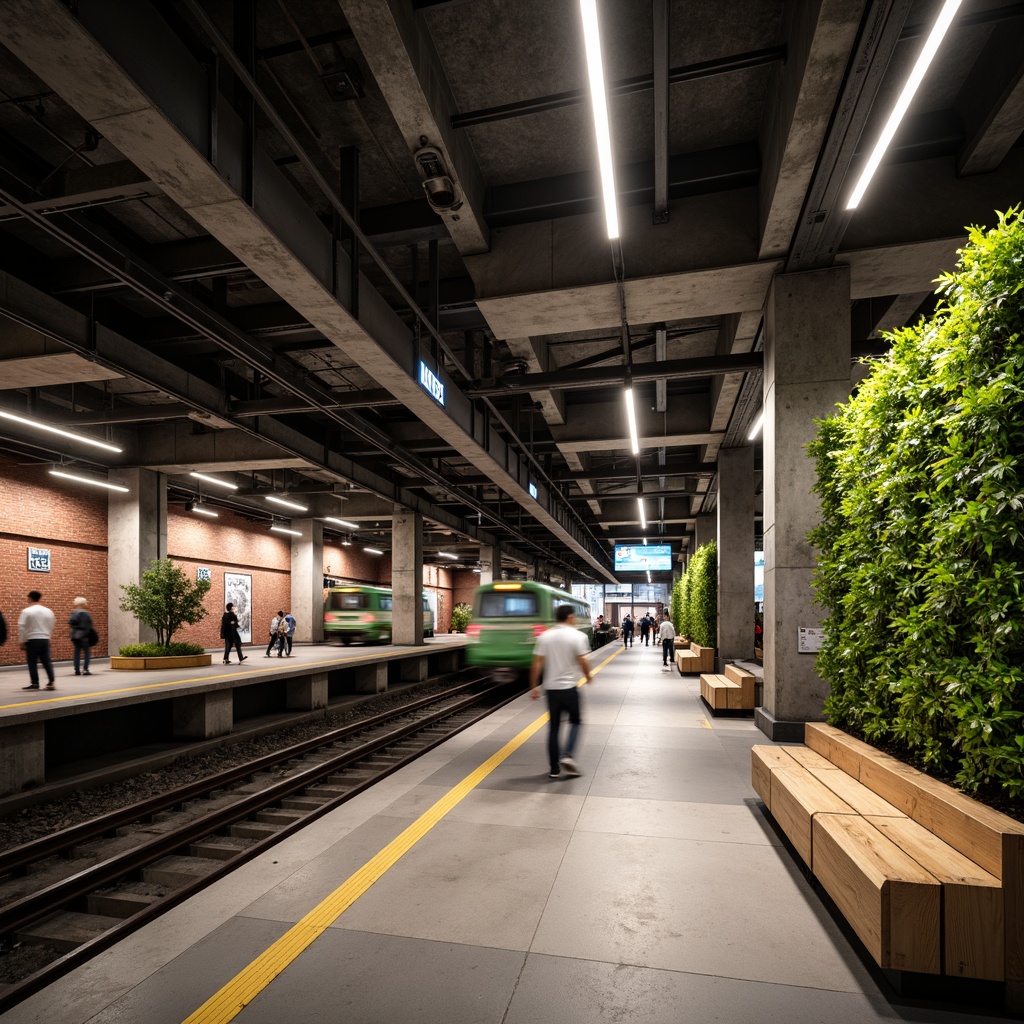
x=238 y=591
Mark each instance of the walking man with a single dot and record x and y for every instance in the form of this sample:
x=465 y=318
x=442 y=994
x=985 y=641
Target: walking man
x=667 y=635
x=35 y=625
x=290 y=635
x=559 y=655
x=278 y=631
x=645 y=629
x=230 y=635
x=627 y=630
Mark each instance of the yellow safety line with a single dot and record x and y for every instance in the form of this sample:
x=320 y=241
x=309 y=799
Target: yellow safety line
x=225 y=1005
x=181 y=682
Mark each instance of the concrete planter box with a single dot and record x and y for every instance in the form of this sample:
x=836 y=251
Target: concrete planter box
x=177 y=661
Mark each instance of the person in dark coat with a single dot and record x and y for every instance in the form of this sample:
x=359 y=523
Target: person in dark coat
x=645 y=630
x=230 y=635
x=81 y=626
x=627 y=631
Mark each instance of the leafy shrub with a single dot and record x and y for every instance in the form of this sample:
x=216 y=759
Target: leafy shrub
x=678 y=605
x=921 y=482
x=153 y=650
x=165 y=599
x=461 y=614
x=702 y=600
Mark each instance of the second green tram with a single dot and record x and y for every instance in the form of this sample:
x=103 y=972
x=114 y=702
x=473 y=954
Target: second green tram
x=508 y=618
x=361 y=614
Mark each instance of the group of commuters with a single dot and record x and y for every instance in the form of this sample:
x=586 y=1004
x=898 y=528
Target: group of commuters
x=36 y=624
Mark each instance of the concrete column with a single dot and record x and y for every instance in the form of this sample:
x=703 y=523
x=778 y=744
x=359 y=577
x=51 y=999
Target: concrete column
x=307 y=603
x=490 y=564
x=371 y=678
x=413 y=670
x=705 y=528
x=136 y=534
x=307 y=693
x=407 y=577
x=22 y=757
x=735 y=553
x=806 y=372
x=202 y=716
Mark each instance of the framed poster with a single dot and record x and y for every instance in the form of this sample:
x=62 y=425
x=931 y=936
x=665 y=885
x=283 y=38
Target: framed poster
x=238 y=591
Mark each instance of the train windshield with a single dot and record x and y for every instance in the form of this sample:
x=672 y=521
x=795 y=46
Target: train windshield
x=507 y=606
x=351 y=602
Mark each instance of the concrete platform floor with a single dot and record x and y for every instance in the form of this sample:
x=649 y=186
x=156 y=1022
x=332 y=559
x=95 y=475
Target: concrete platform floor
x=471 y=887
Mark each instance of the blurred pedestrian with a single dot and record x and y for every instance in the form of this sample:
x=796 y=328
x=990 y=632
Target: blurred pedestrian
x=667 y=635
x=81 y=627
x=645 y=630
x=35 y=627
x=559 y=655
x=628 y=627
x=290 y=635
x=230 y=635
x=278 y=632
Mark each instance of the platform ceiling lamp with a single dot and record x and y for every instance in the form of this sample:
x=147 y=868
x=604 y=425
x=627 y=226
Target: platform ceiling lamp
x=50 y=429
x=924 y=59
x=599 y=105
x=91 y=480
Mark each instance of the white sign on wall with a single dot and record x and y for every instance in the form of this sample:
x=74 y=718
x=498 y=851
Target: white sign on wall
x=202 y=574
x=809 y=639
x=38 y=559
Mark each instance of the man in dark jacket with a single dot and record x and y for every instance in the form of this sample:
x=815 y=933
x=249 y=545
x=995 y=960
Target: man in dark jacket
x=230 y=635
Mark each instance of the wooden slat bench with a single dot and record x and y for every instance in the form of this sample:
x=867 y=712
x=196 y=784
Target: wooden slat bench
x=731 y=691
x=695 y=659
x=929 y=879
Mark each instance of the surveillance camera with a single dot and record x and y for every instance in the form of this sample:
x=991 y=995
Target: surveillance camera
x=438 y=186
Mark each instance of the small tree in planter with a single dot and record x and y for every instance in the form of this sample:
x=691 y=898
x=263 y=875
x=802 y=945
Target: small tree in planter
x=164 y=600
x=461 y=614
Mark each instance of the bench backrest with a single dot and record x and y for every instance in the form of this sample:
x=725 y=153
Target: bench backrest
x=989 y=838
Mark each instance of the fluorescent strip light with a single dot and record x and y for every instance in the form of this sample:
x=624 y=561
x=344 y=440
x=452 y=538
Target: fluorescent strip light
x=478 y=571
x=445 y=554
x=643 y=515
x=36 y=425
x=599 y=104
x=924 y=59
x=282 y=529
x=634 y=441
x=341 y=522
x=373 y=551
x=287 y=504
x=214 y=480
x=199 y=510
x=88 y=480
x=346 y=542
x=756 y=428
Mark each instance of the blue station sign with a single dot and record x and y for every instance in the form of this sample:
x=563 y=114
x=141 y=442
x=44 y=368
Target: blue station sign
x=431 y=383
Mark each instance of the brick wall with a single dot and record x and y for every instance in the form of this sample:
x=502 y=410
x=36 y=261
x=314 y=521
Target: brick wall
x=42 y=511
x=231 y=544
x=464 y=583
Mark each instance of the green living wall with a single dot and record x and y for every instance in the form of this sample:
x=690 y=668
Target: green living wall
x=921 y=481
x=695 y=598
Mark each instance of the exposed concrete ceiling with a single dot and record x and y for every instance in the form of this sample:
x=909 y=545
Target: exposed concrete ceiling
x=158 y=267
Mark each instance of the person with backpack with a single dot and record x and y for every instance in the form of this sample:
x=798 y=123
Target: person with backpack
x=278 y=634
x=627 y=631
x=290 y=635
x=81 y=631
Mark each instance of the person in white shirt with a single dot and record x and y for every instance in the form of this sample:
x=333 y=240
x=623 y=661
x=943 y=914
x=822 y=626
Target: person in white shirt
x=559 y=656
x=35 y=625
x=667 y=635
x=277 y=634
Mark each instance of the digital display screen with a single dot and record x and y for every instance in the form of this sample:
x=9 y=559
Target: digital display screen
x=645 y=558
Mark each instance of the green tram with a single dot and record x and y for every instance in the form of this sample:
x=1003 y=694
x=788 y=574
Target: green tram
x=360 y=614
x=508 y=618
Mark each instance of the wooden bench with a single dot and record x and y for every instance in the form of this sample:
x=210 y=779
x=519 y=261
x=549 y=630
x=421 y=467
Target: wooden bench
x=929 y=879
x=731 y=691
x=695 y=659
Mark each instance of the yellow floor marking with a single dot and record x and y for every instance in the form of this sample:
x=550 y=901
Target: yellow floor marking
x=225 y=1005
x=314 y=665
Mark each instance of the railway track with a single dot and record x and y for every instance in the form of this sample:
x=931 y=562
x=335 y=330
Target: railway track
x=83 y=889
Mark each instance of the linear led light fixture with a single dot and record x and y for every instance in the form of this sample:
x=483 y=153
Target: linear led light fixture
x=445 y=554
x=756 y=428
x=346 y=542
x=599 y=105
x=634 y=440
x=88 y=480
x=37 y=425
x=201 y=510
x=643 y=514
x=286 y=504
x=283 y=529
x=373 y=551
x=215 y=481
x=341 y=522
x=924 y=59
